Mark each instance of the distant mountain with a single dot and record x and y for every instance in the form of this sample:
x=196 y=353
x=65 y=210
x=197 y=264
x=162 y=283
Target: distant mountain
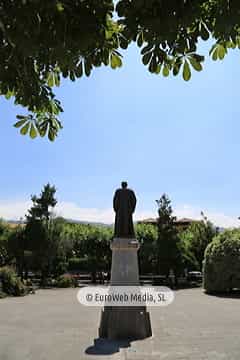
x=220 y=229
x=16 y=222
x=72 y=221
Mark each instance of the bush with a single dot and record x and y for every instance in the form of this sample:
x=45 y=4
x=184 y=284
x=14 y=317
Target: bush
x=12 y=285
x=47 y=282
x=28 y=282
x=60 y=268
x=2 y=295
x=65 y=281
x=221 y=265
x=78 y=264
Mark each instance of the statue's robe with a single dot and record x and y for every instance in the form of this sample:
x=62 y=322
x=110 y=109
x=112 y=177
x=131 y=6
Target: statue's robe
x=124 y=203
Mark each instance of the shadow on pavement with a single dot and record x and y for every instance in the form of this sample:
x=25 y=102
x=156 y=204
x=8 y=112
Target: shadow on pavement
x=234 y=294
x=106 y=347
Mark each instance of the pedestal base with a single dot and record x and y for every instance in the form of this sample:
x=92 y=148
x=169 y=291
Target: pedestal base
x=125 y=323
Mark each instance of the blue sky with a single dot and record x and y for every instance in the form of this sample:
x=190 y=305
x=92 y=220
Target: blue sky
x=160 y=134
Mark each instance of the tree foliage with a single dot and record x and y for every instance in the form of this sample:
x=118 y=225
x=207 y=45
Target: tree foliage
x=4 y=235
x=43 y=41
x=16 y=246
x=42 y=205
x=147 y=237
x=11 y=284
x=222 y=262
x=42 y=230
x=167 y=254
x=196 y=238
x=90 y=246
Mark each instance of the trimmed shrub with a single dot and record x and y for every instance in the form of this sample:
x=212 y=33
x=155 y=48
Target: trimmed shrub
x=12 y=285
x=221 y=266
x=64 y=281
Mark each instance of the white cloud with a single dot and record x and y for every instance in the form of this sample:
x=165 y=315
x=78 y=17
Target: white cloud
x=218 y=218
x=14 y=210
x=71 y=210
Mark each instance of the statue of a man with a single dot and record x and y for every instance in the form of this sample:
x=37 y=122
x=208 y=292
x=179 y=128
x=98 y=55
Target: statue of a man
x=124 y=203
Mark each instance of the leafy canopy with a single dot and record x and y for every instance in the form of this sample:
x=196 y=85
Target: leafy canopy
x=42 y=231
x=43 y=41
x=196 y=238
x=167 y=244
x=222 y=262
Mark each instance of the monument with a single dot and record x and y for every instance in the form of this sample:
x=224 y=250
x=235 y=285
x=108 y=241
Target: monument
x=121 y=322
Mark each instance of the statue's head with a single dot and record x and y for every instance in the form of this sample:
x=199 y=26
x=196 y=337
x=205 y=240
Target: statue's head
x=124 y=184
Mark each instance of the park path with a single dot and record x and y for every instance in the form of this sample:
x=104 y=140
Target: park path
x=52 y=325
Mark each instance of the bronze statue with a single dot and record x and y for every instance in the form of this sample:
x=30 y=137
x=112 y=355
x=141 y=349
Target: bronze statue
x=124 y=203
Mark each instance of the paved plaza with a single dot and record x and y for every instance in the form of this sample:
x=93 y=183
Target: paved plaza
x=52 y=325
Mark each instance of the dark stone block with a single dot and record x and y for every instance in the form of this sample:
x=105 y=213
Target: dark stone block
x=125 y=323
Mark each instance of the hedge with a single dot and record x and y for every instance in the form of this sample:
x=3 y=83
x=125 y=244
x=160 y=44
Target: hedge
x=221 y=267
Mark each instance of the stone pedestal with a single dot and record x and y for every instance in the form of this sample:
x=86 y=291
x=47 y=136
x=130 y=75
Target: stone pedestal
x=121 y=322
x=124 y=269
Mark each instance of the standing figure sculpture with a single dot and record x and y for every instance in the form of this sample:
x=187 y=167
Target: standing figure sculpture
x=124 y=203
x=124 y=322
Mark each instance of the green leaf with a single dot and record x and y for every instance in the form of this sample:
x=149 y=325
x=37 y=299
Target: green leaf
x=140 y=39
x=123 y=42
x=25 y=128
x=146 y=49
x=108 y=34
x=158 y=69
x=176 y=68
x=51 y=79
x=230 y=44
x=165 y=70
x=198 y=58
x=65 y=73
x=20 y=123
x=106 y=55
x=215 y=54
x=33 y=132
x=43 y=129
x=87 y=68
x=21 y=117
x=195 y=64
x=221 y=52
x=72 y=76
x=153 y=65
x=115 y=61
x=146 y=58
x=58 y=124
x=79 y=70
x=186 y=71
x=204 y=32
x=96 y=59
x=177 y=65
x=56 y=79
x=9 y=94
x=51 y=134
